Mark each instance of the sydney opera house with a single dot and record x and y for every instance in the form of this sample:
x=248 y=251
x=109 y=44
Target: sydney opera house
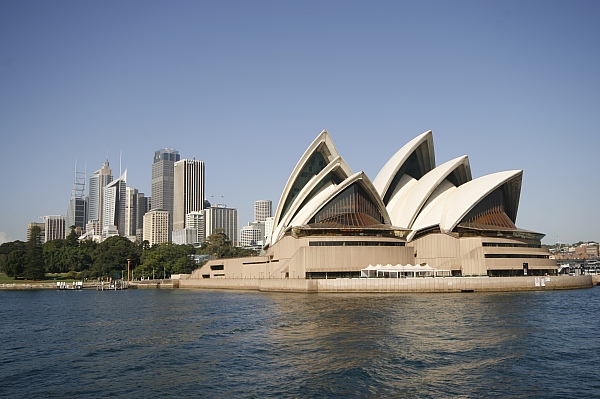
x=334 y=223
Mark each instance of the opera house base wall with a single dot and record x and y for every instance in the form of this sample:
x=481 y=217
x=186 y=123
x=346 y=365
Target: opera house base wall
x=391 y=285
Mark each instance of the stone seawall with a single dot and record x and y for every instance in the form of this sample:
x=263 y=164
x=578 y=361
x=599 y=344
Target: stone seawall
x=166 y=283
x=28 y=286
x=439 y=284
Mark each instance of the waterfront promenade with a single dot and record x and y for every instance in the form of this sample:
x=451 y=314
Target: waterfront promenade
x=375 y=285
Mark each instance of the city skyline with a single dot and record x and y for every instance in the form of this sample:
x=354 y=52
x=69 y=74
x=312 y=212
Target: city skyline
x=242 y=87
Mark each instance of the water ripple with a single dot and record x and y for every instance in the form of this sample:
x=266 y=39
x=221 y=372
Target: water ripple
x=179 y=343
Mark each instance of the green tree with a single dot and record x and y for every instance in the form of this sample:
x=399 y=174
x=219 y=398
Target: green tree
x=5 y=249
x=34 y=268
x=112 y=254
x=72 y=239
x=165 y=259
x=53 y=256
x=15 y=263
x=218 y=245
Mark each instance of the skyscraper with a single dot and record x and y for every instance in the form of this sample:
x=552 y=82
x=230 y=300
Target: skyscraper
x=77 y=211
x=143 y=206
x=54 y=228
x=188 y=190
x=162 y=180
x=262 y=210
x=131 y=205
x=113 y=213
x=136 y=205
x=156 y=226
x=219 y=218
x=98 y=180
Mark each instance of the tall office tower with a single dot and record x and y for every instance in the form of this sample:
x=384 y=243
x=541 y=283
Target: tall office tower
x=42 y=227
x=262 y=210
x=162 y=180
x=98 y=180
x=131 y=211
x=55 y=228
x=188 y=190
x=195 y=220
x=219 y=218
x=77 y=211
x=113 y=212
x=143 y=206
x=156 y=226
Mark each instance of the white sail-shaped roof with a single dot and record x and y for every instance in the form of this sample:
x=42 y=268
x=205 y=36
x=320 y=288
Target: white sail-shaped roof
x=422 y=146
x=406 y=209
x=471 y=193
x=431 y=213
x=409 y=192
x=321 y=200
x=318 y=182
x=393 y=206
x=323 y=147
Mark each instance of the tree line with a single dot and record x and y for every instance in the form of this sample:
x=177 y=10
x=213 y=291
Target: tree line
x=81 y=259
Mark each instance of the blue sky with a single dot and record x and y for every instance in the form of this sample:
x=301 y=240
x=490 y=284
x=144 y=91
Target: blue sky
x=247 y=85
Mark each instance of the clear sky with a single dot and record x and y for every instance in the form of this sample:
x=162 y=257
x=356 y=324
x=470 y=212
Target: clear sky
x=247 y=85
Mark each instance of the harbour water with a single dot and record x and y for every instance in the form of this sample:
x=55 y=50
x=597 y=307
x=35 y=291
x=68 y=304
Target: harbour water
x=226 y=344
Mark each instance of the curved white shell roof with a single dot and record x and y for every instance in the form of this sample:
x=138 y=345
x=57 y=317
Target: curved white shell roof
x=318 y=202
x=469 y=194
x=339 y=165
x=407 y=208
x=323 y=143
x=386 y=175
x=424 y=198
x=431 y=213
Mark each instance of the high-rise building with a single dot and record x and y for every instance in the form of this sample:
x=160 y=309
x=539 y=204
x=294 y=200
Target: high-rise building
x=131 y=205
x=262 y=210
x=195 y=220
x=114 y=203
x=77 y=211
x=188 y=190
x=156 y=226
x=162 y=180
x=98 y=181
x=219 y=218
x=143 y=206
x=55 y=228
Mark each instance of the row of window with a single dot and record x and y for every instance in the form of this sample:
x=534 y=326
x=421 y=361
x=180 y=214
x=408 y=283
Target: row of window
x=497 y=256
x=355 y=244
x=511 y=245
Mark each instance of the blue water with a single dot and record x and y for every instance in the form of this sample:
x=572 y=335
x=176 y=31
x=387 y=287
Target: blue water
x=220 y=344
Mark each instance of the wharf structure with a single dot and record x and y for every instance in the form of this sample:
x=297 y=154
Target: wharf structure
x=332 y=223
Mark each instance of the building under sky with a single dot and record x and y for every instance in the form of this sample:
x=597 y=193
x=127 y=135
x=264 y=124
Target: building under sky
x=163 y=168
x=188 y=192
x=332 y=222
